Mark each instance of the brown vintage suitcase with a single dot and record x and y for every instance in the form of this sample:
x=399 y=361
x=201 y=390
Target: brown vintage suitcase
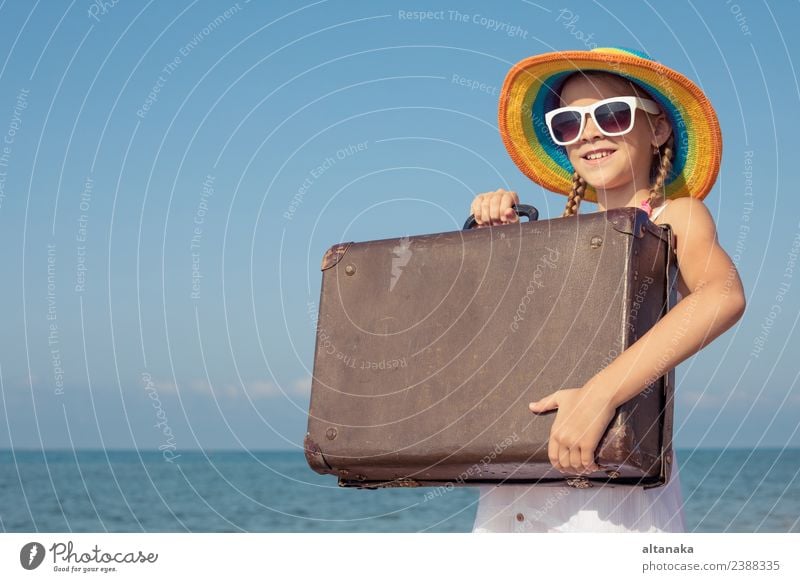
x=429 y=349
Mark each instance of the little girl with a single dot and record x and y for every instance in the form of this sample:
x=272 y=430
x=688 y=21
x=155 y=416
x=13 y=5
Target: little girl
x=614 y=127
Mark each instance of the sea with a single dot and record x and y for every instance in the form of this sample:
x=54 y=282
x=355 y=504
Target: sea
x=725 y=490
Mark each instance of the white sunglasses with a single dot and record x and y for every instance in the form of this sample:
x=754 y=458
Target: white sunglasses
x=612 y=117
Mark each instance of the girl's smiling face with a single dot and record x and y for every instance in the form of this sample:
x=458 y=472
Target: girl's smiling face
x=631 y=155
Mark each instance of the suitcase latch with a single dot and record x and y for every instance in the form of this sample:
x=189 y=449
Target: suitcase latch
x=403 y=482
x=579 y=483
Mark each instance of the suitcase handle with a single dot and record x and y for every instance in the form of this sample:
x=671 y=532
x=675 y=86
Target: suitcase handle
x=520 y=209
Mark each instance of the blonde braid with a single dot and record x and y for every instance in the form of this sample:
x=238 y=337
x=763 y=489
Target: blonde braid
x=575 y=195
x=657 y=192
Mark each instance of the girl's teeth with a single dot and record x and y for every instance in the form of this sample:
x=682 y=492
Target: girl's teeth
x=597 y=156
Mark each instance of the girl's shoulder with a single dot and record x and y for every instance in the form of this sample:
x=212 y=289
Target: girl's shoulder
x=701 y=259
x=685 y=212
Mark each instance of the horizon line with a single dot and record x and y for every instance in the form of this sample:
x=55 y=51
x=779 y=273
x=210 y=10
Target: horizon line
x=300 y=449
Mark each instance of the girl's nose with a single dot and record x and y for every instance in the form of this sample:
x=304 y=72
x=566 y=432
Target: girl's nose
x=590 y=130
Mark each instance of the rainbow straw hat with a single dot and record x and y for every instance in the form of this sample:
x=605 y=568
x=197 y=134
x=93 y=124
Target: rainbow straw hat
x=531 y=89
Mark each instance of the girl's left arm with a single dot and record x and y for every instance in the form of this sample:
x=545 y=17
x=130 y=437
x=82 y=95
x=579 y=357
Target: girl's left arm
x=715 y=303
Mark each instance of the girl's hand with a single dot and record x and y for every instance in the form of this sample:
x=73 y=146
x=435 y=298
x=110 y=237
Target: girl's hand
x=580 y=423
x=492 y=208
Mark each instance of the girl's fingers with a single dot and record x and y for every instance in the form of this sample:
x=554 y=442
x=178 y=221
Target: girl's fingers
x=485 y=210
x=575 y=459
x=493 y=208
x=587 y=460
x=509 y=199
x=564 y=459
x=475 y=210
x=552 y=452
x=495 y=201
x=478 y=211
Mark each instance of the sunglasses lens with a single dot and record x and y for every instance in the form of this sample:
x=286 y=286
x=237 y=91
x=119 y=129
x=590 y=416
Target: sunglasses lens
x=614 y=117
x=566 y=125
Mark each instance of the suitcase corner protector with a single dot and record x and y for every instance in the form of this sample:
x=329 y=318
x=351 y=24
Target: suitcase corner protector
x=626 y=220
x=314 y=456
x=334 y=254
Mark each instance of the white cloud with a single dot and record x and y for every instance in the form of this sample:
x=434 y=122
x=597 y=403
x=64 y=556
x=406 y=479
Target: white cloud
x=302 y=386
x=700 y=399
x=253 y=389
x=262 y=389
x=165 y=386
x=200 y=386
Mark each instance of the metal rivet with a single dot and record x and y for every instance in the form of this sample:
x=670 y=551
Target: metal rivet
x=596 y=242
x=612 y=474
x=520 y=517
x=331 y=433
x=350 y=269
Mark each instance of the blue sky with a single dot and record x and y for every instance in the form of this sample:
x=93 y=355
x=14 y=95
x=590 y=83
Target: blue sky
x=156 y=249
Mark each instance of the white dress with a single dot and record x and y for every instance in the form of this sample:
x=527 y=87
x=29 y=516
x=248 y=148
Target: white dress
x=526 y=508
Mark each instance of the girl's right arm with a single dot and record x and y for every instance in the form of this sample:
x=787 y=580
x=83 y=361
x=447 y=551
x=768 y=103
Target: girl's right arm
x=493 y=208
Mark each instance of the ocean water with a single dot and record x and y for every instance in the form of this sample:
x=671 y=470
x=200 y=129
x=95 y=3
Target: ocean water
x=742 y=490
